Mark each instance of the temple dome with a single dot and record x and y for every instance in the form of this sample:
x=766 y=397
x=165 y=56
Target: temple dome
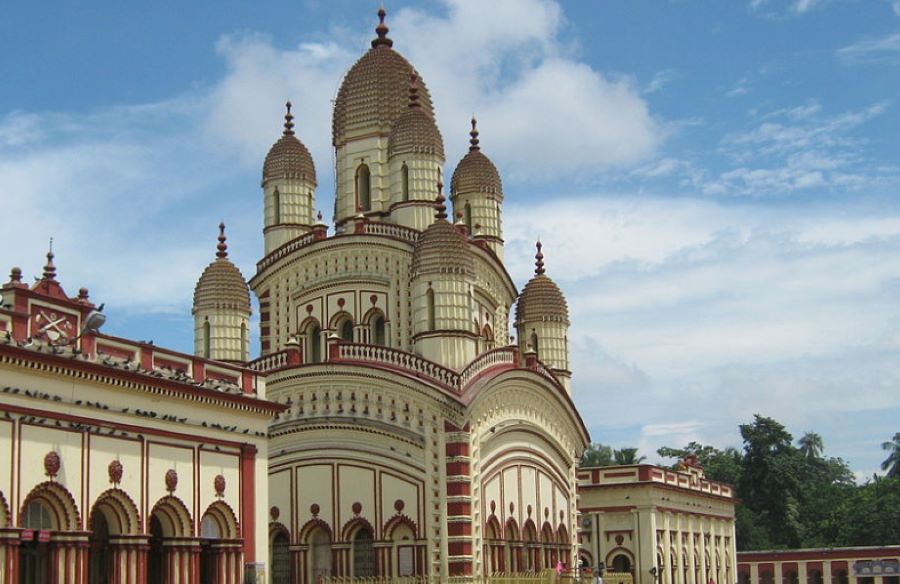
x=221 y=285
x=442 y=249
x=374 y=91
x=475 y=173
x=288 y=157
x=415 y=131
x=541 y=300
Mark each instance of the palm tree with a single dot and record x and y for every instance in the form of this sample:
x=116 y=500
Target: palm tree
x=596 y=454
x=811 y=446
x=628 y=456
x=892 y=462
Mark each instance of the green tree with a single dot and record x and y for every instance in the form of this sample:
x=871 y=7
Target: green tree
x=870 y=514
x=718 y=465
x=628 y=456
x=811 y=445
x=892 y=462
x=597 y=454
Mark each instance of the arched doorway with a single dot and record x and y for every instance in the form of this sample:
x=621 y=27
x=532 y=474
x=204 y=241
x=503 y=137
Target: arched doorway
x=114 y=524
x=621 y=563
x=513 y=547
x=531 y=558
x=46 y=512
x=100 y=559
x=155 y=557
x=319 y=554
x=401 y=531
x=493 y=546
x=363 y=553
x=171 y=549
x=220 y=546
x=282 y=569
x=34 y=553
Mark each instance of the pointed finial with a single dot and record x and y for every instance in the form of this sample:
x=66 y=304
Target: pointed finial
x=15 y=275
x=288 y=120
x=474 y=133
x=439 y=205
x=539 y=260
x=319 y=216
x=49 y=268
x=381 y=30
x=222 y=247
x=414 y=89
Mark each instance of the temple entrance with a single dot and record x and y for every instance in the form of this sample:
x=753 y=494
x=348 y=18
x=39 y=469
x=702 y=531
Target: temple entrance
x=281 y=558
x=319 y=555
x=100 y=558
x=155 y=554
x=209 y=536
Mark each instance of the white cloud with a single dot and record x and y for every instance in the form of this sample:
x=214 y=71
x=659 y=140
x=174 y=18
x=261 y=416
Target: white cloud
x=873 y=50
x=661 y=79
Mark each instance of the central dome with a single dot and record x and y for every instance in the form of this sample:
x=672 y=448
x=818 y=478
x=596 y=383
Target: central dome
x=375 y=90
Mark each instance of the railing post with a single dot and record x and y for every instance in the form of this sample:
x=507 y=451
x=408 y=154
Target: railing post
x=333 y=347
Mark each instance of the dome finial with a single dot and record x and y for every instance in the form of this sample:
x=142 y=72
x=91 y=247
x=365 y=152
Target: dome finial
x=49 y=268
x=474 y=134
x=381 y=30
x=440 y=207
x=414 y=89
x=539 y=260
x=288 y=120
x=222 y=247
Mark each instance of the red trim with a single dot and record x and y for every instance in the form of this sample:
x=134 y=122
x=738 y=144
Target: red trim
x=248 y=499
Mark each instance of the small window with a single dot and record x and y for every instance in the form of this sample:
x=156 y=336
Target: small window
x=533 y=341
x=467 y=210
x=276 y=204
x=209 y=528
x=376 y=332
x=314 y=344
x=363 y=188
x=243 y=340
x=206 y=342
x=404 y=182
x=37 y=516
x=363 y=554
x=345 y=330
x=429 y=297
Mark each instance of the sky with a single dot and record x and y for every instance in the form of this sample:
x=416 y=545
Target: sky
x=715 y=182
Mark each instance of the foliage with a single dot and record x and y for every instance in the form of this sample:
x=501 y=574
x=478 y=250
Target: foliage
x=795 y=496
x=628 y=456
x=597 y=454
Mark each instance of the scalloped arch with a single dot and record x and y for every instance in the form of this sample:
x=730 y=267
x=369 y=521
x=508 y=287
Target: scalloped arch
x=4 y=511
x=397 y=521
x=60 y=502
x=174 y=517
x=224 y=516
x=351 y=527
x=120 y=511
x=310 y=526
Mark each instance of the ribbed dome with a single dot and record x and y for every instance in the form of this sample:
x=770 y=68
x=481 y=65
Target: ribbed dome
x=415 y=132
x=221 y=285
x=475 y=173
x=374 y=91
x=541 y=300
x=288 y=157
x=442 y=249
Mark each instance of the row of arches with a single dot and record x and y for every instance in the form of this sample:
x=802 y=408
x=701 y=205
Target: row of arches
x=116 y=545
x=354 y=553
x=374 y=332
x=683 y=568
x=363 y=188
x=512 y=549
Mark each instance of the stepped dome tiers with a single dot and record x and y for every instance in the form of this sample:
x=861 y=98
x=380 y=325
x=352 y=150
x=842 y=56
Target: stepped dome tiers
x=442 y=249
x=374 y=91
x=221 y=285
x=475 y=173
x=289 y=157
x=541 y=300
x=415 y=131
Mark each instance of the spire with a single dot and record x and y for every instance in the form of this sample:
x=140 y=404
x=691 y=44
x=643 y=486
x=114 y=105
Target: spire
x=381 y=30
x=474 y=133
x=288 y=121
x=222 y=248
x=49 y=268
x=440 y=207
x=414 y=90
x=539 y=260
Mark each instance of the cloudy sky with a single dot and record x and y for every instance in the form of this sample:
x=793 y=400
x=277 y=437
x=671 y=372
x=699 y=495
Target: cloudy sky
x=716 y=183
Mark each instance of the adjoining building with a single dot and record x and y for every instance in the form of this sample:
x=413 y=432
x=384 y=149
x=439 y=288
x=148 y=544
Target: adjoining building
x=848 y=565
x=418 y=440
x=648 y=524
x=121 y=461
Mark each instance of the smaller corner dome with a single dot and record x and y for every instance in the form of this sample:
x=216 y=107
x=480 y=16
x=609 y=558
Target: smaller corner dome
x=475 y=173
x=415 y=131
x=541 y=300
x=442 y=249
x=289 y=157
x=222 y=285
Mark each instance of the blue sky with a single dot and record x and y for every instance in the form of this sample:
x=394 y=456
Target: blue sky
x=715 y=182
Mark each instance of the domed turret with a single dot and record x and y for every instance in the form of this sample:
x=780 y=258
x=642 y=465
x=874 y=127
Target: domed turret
x=476 y=192
x=289 y=184
x=442 y=280
x=415 y=157
x=221 y=309
x=542 y=321
x=373 y=94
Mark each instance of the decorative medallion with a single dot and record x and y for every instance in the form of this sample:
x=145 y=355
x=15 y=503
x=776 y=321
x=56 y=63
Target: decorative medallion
x=373 y=299
x=171 y=480
x=512 y=507
x=493 y=507
x=619 y=540
x=274 y=513
x=357 y=508
x=528 y=510
x=51 y=464
x=341 y=302
x=51 y=326
x=314 y=509
x=115 y=472
x=561 y=514
x=398 y=505
x=309 y=308
x=546 y=512
x=219 y=485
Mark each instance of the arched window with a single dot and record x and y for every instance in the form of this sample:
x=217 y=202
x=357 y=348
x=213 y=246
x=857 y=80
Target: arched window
x=206 y=342
x=467 y=211
x=37 y=517
x=404 y=182
x=319 y=555
x=243 y=340
x=533 y=341
x=621 y=563
x=363 y=554
x=314 y=343
x=346 y=330
x=376 y=330
x=429 y=299
x=281 y=558
x=276 y=204
x=363 y=188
